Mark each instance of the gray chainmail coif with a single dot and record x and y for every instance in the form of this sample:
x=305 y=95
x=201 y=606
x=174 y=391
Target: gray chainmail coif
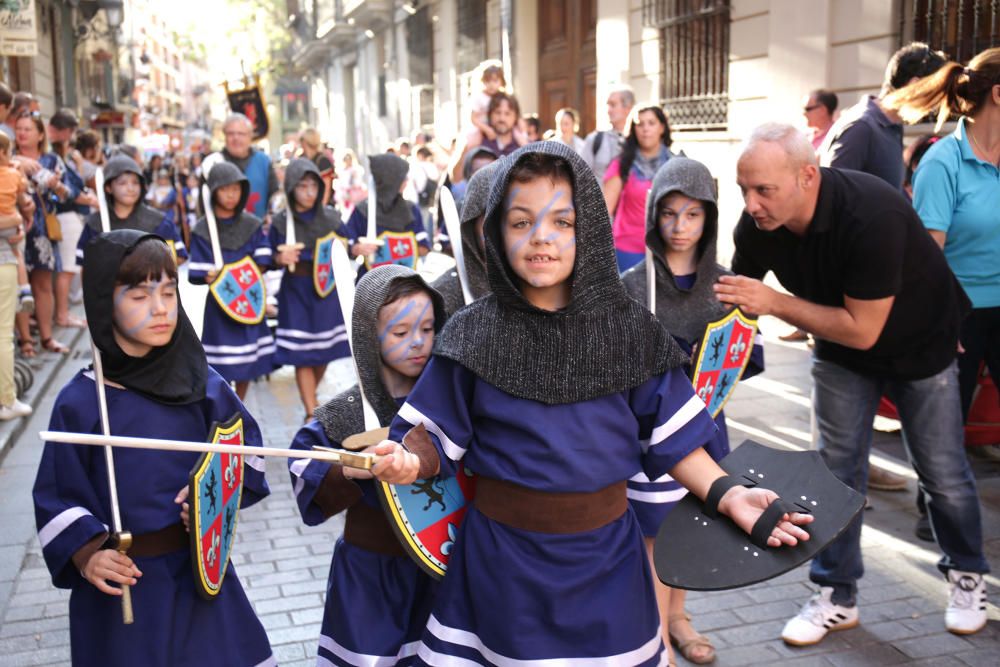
x=233 y=235
x=602 y=343
x=342 y=416
x=474 y=206
x=394 y=212
x=684 y=312
x=325 y=220
x=143 y=217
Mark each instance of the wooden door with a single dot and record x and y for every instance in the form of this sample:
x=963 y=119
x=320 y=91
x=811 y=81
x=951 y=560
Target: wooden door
x=567 y=60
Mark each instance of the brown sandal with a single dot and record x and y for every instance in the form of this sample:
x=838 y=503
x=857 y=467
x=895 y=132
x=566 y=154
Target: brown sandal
x=688 y=647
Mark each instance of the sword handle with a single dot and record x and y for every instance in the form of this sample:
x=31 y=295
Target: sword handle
x=127 y=617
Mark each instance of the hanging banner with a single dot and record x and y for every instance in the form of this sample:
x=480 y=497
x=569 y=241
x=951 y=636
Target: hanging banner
x=249 y=101
x=18 y=28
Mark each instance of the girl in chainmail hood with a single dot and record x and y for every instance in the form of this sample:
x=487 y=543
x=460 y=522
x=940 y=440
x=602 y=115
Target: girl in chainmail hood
x=157 y=385
x=235 y=335
x=473 y=209
x=399 y=223
x=377 y=600
x=311 y=330
x=682 y=222
x=125 y=192
x=555 y=389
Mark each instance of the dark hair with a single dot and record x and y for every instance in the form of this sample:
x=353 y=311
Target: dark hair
x=952 y=89
x=541 y=165
x=499 y=99
x=493 y=71
x=6 y=96
x=87 y=140
x=827 y=98
x=920 y=148
x=21 y=101
x=403 y=287
x=149 y=259
x=915 y=60
x=423 y=152
x=531 y=119
x=631 y=147
x=64 y=119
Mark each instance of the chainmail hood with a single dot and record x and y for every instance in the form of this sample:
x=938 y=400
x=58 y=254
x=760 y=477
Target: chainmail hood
x=603 y=342
x=234 y=234
x=474 y=206
x=325 y=220
x=143 y=218
x=394 y=213
x=370 y=295
x=684 y=312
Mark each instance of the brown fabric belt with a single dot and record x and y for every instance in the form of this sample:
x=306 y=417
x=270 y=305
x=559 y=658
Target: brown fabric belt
x=160 y=542
x=547 y=512
x=368 y=528
x=302 y=269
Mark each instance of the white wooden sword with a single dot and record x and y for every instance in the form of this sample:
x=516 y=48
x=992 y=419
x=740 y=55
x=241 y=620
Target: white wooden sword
x=213 y=228
x=102 y=200
x=454 y=226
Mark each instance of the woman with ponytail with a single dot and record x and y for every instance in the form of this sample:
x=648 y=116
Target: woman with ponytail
x=955 y=190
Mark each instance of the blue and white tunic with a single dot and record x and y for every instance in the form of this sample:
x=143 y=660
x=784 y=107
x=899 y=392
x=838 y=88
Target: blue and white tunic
x=652 y=500
x=357 y=227
x=237 y=351
x=165 y=230
x=311 y=329
x=173 y=626
x=515 y=597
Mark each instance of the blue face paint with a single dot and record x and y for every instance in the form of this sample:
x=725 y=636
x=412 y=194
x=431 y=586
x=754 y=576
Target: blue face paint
x=538 y=223
x=412 y=339
x=151 y=288
x=385 y=332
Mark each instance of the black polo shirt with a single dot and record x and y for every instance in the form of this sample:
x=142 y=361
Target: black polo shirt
x=865 y=241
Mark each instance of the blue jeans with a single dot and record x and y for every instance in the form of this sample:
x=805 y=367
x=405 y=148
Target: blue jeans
x=930 y=411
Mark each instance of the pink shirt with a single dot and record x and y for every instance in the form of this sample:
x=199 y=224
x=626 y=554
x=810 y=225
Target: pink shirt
x=629 y=226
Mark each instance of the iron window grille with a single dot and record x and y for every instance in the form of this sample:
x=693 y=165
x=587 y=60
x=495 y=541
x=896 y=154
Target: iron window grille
x=694 y=60
x=960 y=28
x=471 y=34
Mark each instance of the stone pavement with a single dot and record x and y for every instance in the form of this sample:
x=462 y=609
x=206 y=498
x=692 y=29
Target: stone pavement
x=284 y=564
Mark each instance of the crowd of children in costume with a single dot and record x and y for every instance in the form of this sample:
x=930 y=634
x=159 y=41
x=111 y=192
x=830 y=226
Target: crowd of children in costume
x=553 y=357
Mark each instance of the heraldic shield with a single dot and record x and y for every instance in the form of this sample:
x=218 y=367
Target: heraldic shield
x=323 y=280
x=216 y=489
x=723 y=354
x=239 y=291
x=696 y=552
x=397 y=248
x=426 y=515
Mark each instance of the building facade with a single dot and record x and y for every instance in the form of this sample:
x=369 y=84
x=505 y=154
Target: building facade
x=383 y=69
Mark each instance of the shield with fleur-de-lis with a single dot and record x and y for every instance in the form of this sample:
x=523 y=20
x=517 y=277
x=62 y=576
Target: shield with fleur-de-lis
x=216 y=487
x=396 y=248
x=723 y=355
x=239 y=291
x=323 y=280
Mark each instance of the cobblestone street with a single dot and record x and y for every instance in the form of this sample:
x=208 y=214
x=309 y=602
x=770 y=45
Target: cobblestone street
x=284 y=564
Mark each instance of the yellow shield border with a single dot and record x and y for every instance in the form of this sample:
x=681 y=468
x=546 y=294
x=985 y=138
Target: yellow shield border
x=734 y=314
x=387 y=236
x=333 y=285
x=223 y=272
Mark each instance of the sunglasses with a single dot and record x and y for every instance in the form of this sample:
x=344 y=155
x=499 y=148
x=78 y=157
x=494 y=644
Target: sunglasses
x=811 y=108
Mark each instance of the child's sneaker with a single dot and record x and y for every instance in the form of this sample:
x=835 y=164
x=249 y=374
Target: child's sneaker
x=25 y=301
x=966 y=612
x=14 y=410
x=819 y=616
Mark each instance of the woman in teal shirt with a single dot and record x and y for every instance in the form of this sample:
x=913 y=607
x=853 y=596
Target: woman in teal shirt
x=956 y=191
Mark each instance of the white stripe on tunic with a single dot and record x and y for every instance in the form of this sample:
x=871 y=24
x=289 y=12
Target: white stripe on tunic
x=656 y=497
x=297 y=468
x=255 y=462
x=61 y=522
x=226 y=360
x=641 y=477
x=414 y=416
x=200 y=266
x=470 y=640
x=263 y=341
x=363 y=659
x=315 y=345
x=311 y=335
x=677 y=421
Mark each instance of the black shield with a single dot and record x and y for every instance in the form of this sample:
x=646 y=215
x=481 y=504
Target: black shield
x=697 y=553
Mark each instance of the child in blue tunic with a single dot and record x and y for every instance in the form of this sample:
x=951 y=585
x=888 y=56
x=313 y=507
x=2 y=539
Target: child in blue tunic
x=158 y=384
x=377 y=599
x=311 y=330
x=235 y=335
x=682 y=221
x=555 y=389
x=125 y=191
x=399 y=223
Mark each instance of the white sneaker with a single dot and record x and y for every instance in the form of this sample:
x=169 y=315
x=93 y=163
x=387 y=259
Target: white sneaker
x=14 y=410
x=966 y=612
x=818 y=616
